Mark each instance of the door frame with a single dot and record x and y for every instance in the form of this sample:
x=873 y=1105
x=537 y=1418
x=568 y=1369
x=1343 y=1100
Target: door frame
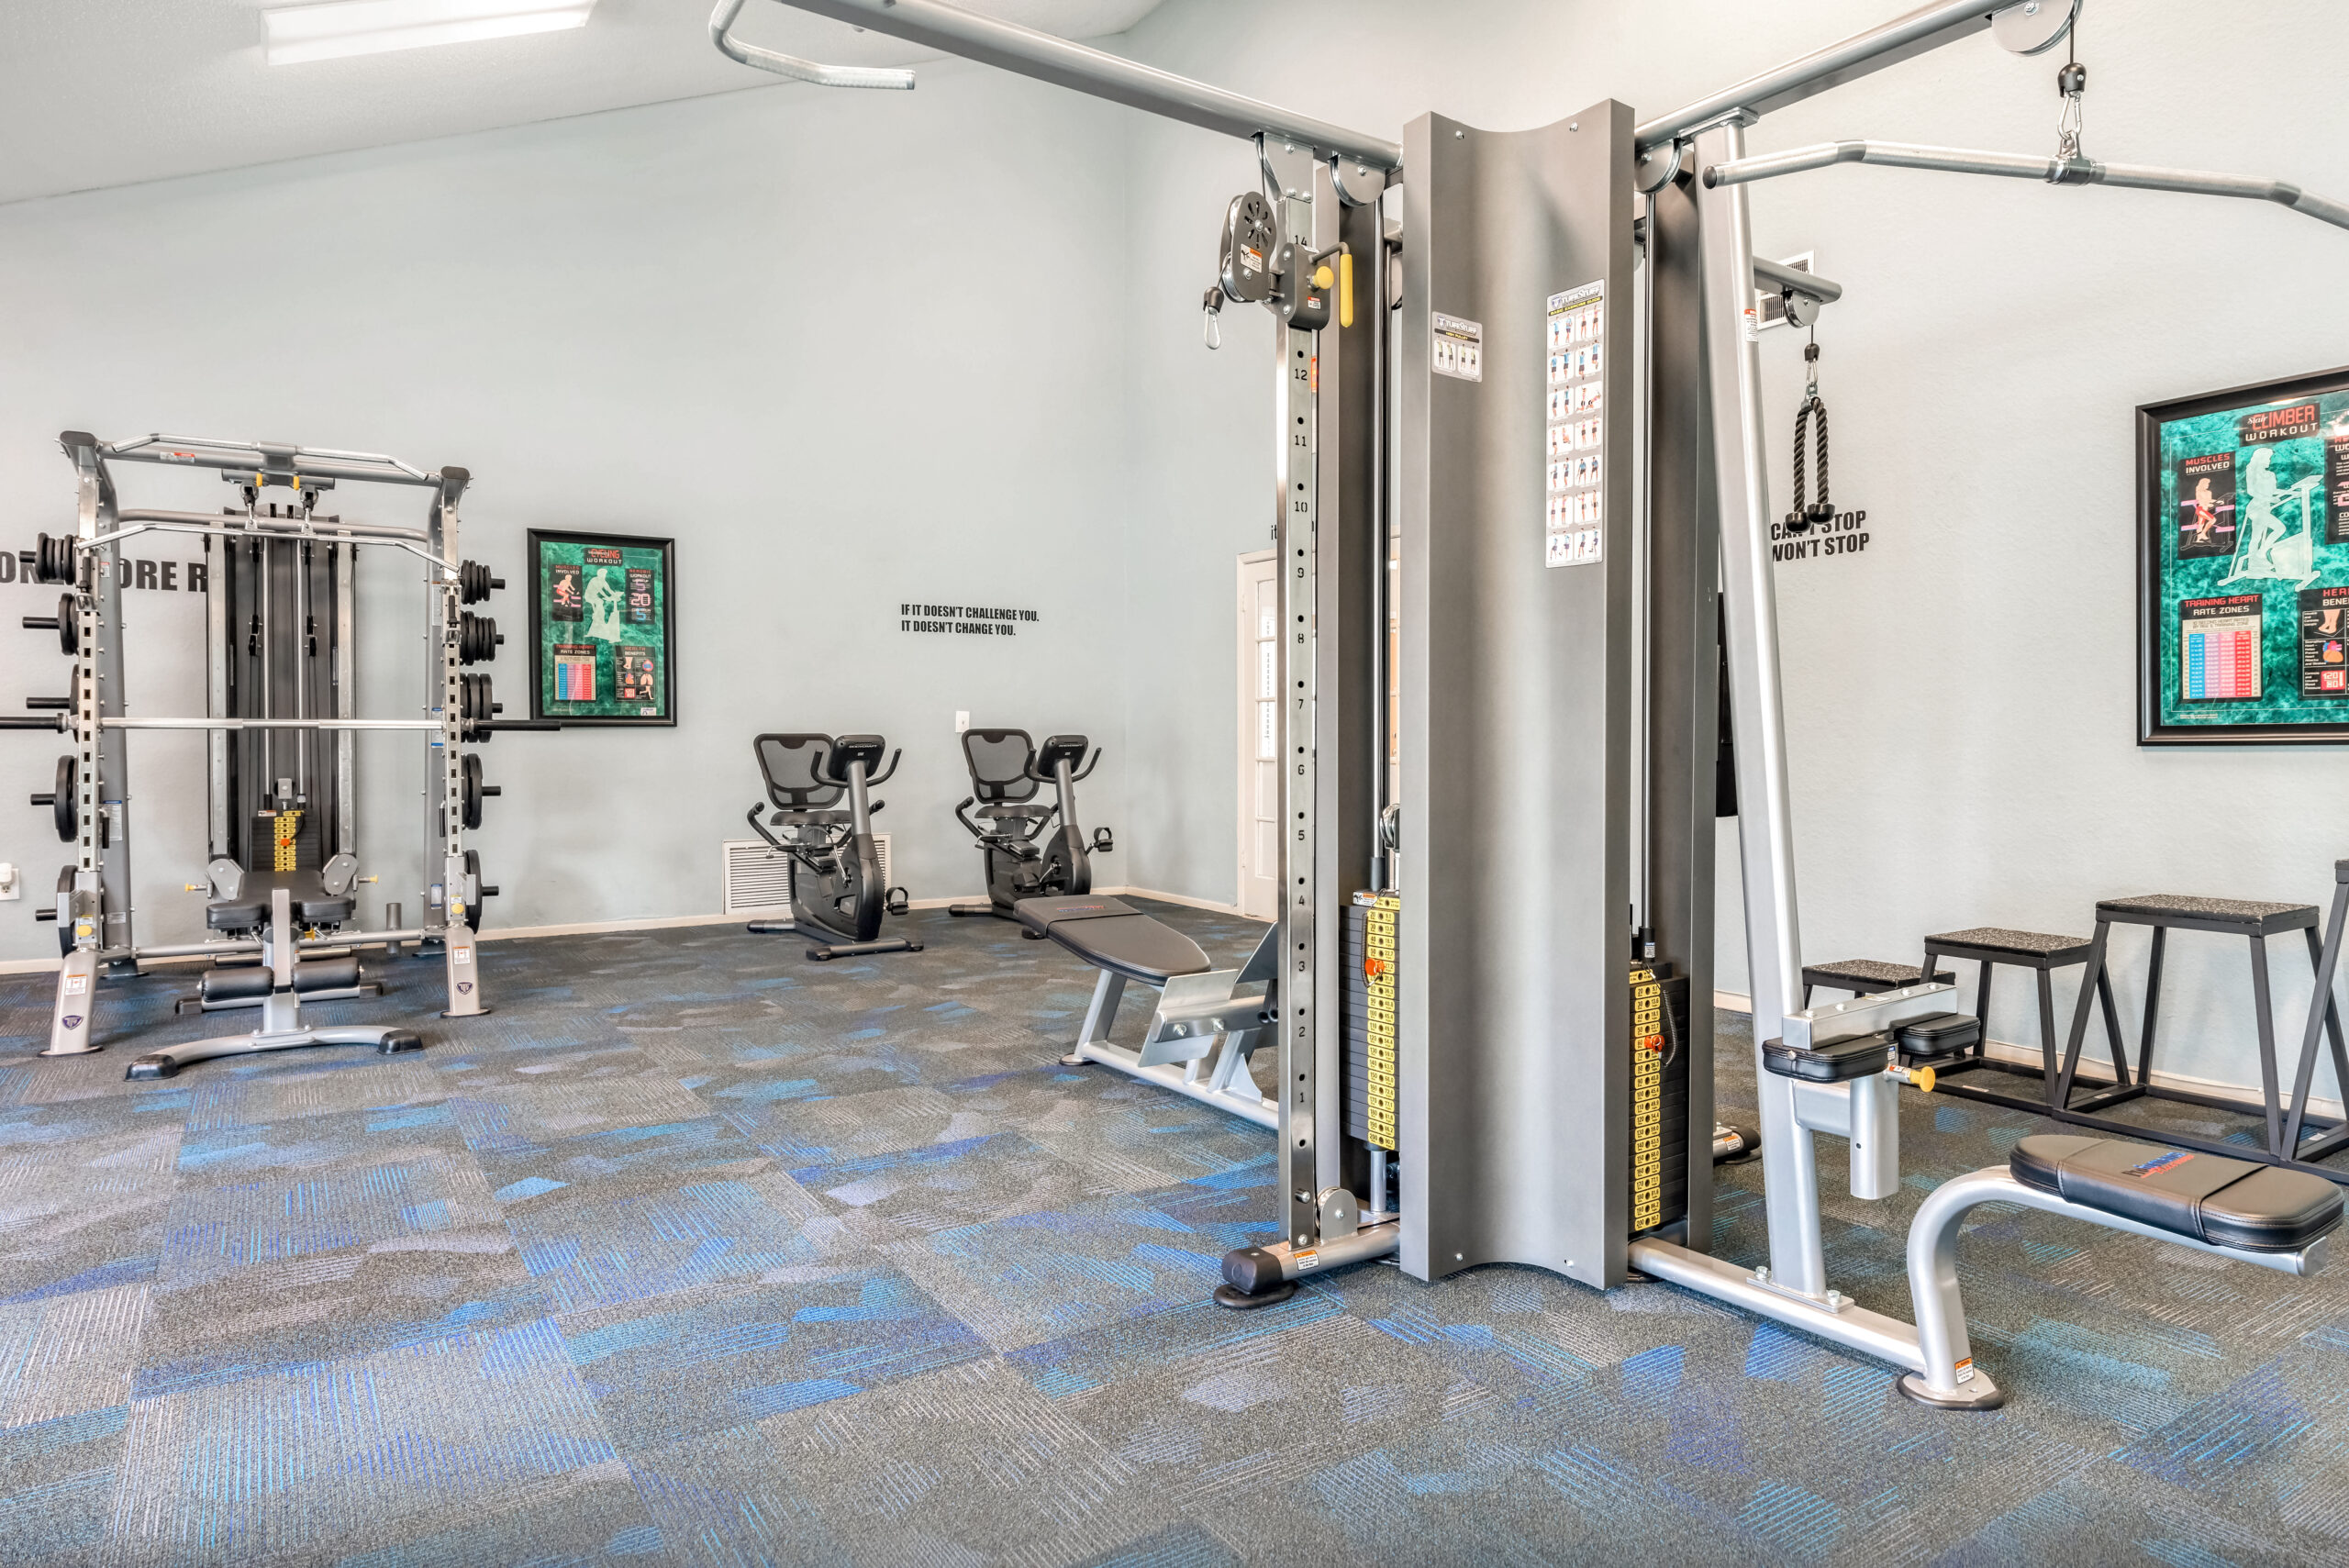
x=1244 y=688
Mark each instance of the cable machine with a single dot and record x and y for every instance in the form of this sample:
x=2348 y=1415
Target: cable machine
x=281 y=675
x=1529 y=1043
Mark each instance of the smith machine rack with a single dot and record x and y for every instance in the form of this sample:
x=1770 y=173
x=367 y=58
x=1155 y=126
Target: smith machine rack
x=1530 y=1067
x=281 y=682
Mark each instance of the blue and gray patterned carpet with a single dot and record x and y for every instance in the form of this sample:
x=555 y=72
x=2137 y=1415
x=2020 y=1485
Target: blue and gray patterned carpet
x=696 y=1253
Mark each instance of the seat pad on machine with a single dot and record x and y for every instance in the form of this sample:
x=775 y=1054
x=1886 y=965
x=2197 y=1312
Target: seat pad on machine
x=1114 y=936
x=2228 y=1203
x=312 y=902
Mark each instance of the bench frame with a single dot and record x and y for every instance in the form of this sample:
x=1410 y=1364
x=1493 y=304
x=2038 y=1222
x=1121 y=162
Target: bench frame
x=1200 y=1037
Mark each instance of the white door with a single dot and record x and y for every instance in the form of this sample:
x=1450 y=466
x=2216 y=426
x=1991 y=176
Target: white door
x=1259 y=856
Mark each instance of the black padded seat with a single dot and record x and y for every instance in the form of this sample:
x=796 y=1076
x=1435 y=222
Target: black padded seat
x=2227 y=1203
x=313 y=904
x=1110 y=934
x=814 y=818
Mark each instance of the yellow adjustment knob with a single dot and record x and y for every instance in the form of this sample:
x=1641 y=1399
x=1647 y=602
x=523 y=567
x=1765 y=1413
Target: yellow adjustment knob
x=1923 y=1079
x=192 y=887
x=1323 y=277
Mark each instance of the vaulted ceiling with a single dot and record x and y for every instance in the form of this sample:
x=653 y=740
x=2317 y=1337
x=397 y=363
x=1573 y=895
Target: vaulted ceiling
x=97 y=93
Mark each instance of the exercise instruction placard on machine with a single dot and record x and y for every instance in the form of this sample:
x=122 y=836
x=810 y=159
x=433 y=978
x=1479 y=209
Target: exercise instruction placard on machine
x=1574 y=525
x=2244 y=565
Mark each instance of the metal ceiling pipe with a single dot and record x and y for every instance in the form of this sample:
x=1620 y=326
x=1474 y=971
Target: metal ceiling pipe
x=721 y=22
x=2024 y=166
x=950 y=29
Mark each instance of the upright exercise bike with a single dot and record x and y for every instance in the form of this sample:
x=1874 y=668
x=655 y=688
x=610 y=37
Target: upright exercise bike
x=1008 y=773
x=836 y=879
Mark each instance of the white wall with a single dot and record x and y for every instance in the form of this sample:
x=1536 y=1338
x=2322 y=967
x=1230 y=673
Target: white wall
x=846 y=352
x=852 y=349
x=1961 y=695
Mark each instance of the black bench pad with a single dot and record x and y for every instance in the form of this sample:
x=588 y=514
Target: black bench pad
x=312 y=903
x=1114 y=936
x=2228 y=1203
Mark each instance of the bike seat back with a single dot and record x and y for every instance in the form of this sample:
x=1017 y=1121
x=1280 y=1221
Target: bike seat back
x=1000 y=761
x=795 y=770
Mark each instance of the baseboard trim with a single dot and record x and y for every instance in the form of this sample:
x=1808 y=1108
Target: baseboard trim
x=2028 y=1056
x=663 y=922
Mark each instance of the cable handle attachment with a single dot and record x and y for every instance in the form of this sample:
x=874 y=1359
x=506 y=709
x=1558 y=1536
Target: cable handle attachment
x=1822 y=510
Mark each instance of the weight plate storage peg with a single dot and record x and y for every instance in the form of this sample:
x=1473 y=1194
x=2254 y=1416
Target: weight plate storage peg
x=64 y=801
x=475 y=706
x=52 y=559
x=474 y=583
x=477 y=639
x=65 y=623
x=471 y=790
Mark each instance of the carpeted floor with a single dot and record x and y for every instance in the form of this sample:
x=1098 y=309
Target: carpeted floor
x=696 y=1253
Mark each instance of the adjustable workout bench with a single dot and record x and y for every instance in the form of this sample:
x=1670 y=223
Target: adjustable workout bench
x=283 y=978
x=1208 y=1021
x=2256 y=1213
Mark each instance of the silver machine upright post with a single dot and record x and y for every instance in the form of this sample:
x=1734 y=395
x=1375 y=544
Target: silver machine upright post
x=95 y=914
x=1766 y=811
x=450 y=903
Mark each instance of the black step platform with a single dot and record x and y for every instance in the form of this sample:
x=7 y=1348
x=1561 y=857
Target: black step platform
x=1110 y=934
x=2243 y=1204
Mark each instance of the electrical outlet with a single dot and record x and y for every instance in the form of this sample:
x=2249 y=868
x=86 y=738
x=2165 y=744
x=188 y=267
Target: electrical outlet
x=961 y=721
x=11 y=884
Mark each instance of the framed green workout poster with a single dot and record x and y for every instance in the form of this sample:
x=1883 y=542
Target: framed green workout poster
x=601 y=608
x=2243 y=566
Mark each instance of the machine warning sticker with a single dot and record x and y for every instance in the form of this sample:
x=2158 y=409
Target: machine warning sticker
x=1459 y=348
x=1573 y=523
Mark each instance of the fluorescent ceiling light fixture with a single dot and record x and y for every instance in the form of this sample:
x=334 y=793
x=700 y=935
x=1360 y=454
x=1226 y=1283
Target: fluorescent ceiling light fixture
x=346 y=27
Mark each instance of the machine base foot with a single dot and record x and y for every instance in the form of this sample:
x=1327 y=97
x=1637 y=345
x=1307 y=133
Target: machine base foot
x=402 y=1040
x=1242 y=1301
x=1075 y=1059
x=476 y=1013
x=84 y=1050
x=770 y=928
x=1988 y=1396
